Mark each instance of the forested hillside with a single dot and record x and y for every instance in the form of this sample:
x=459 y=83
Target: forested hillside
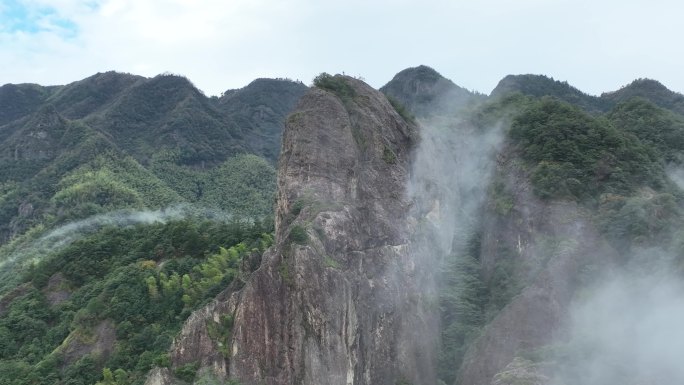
x=133 y=142
x=125 y=203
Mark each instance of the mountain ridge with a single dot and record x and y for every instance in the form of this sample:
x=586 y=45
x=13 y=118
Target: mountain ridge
x=464 y=270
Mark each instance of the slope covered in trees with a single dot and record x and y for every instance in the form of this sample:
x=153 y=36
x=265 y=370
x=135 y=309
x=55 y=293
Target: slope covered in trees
x=125 y=203
x=135 y=143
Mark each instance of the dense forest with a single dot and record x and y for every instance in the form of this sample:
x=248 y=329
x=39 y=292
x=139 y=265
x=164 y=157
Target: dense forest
x=125 y=204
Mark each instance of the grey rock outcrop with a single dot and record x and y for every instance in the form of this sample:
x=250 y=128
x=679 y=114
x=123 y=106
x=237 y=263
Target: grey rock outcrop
x=336 y=299
x=334 y=302
x=521 y=371
x=160 y=376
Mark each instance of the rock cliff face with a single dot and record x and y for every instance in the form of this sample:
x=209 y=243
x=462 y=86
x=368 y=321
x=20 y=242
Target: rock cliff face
x=548 y=243
x=336 y=300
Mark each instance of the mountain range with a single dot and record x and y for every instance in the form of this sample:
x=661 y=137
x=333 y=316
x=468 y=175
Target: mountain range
x=281 y=233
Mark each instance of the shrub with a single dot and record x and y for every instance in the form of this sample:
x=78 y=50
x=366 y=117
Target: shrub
x=401 y=109
x=389 y=156
x=330 y=262
x=187 y=372
x=298 y=235
x=335 y=84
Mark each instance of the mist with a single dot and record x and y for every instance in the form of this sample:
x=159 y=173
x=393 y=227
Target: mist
x=28 y=249
x=449 y=177
x=626 y=330
x=622 y=327
x=676 y=174
x=73 y=231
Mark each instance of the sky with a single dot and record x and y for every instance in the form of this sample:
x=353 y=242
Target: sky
x=595 y=45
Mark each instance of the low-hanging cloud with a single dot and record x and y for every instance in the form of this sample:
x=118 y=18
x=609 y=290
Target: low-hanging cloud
x=450 y=176
x=201 y=39
x=676 y=174
x=627 y=330
x=27 y=251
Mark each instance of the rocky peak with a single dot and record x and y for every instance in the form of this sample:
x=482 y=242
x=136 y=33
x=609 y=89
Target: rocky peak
x=334 y=301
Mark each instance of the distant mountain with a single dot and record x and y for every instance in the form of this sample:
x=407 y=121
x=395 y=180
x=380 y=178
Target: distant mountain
x=19 y=100
x=540 y=85
x=424 y=91
x=101 y=177
x=142 y=116
x=168 y=112
x=91 y=95
x=650 y=90
x=176 y=138
x=261 y=106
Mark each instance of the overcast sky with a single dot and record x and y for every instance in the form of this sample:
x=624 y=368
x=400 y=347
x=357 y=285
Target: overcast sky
x=595 y=45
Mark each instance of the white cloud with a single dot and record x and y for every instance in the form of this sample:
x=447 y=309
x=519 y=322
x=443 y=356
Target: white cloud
x=220 y=44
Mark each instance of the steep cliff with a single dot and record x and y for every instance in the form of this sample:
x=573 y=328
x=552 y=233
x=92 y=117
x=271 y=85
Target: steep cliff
x=336 y=300
x=541 y=246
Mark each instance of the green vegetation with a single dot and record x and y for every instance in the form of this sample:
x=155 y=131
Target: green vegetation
x=655 y=127
x=243 y=186
x=401 y=110
x=221 y=332
x=285 y=274
x=651 y=90
x=131 y=142
x=576 y=156
x=615 y=164
x=186 y=372
x=108 y=182
x=335 y=84
x=462 y=301
x=142 y=280
x=329 y=261
x=500 y=198
x=89 y=295
x=468 y=300
x=612 y=164
x=298 y=235
x=389 y=156
x=539 y=86
x=103 y=305
x=647 y=219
